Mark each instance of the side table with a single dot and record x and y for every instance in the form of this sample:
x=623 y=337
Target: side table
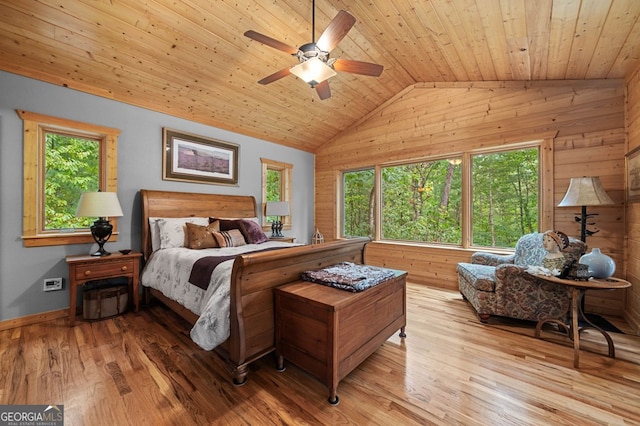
x=283 y=239
x=85 y=268
x=578 y=289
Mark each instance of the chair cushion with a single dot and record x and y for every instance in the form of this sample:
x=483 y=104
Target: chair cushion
x=530 y=250
x=481 y=277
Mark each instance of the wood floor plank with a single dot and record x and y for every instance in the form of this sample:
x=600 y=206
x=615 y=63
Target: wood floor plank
x=143 y=369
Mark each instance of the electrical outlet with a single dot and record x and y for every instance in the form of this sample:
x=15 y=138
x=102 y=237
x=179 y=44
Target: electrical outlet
x=51 y=284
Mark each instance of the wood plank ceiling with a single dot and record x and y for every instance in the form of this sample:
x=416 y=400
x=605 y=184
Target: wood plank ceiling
x=189 y=58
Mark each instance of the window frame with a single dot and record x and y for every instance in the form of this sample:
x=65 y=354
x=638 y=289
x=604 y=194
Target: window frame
x=545 y=196
x=35 y=126
x=285 y=191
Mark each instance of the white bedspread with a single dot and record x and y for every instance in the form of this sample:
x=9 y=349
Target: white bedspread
x=168 y=271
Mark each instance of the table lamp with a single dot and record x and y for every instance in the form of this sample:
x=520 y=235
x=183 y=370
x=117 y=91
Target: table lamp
x=278 y=209
x=583 y=192
x=100 y=205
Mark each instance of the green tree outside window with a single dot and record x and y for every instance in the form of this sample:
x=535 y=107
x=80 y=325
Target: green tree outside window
x=358 y=203
x=505 y=197
x=72 y=166
x=423 y=202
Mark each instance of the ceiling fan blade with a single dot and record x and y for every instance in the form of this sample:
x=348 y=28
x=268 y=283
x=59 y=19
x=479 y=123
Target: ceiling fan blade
x=335 y=31
x=358 y=67
x=271 y=42
x=275 y=76
x=323 y=89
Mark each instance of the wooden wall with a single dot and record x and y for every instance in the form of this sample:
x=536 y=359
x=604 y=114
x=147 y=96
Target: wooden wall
x=632 y=307
x=584 y=119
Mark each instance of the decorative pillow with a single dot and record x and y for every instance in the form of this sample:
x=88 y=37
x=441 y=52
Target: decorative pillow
x=252 y=232
x=172 y=230
x=232 y=238
x=227 y=223
x=201 y=237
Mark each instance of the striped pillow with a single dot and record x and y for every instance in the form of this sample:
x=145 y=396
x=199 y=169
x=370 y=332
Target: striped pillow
x=231 y=238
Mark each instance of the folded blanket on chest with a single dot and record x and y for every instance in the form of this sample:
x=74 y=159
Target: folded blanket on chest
x=349 y=276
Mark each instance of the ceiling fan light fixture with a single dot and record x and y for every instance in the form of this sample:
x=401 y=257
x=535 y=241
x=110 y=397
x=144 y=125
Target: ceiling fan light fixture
x=313 y=71
x=315 y=67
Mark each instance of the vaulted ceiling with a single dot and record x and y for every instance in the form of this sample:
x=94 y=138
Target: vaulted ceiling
x=189 y=58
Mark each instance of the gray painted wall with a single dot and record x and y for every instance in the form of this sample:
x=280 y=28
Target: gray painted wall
x=22 y=270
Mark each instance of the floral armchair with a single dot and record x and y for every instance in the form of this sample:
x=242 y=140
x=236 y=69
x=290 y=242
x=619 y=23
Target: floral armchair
x=499 y=284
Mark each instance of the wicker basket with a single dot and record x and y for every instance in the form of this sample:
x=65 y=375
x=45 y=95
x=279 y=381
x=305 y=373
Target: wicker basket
x=101 y=303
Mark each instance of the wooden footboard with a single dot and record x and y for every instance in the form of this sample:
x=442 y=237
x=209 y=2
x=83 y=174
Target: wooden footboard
x=252 y=301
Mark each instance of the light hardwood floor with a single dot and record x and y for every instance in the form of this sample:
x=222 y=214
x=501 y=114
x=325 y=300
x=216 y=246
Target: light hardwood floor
x=143 y=368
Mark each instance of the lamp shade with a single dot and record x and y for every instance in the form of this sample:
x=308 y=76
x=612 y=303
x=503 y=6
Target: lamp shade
x=278 y=208
x=313 y=71
x=585 y=191
x=99 y=204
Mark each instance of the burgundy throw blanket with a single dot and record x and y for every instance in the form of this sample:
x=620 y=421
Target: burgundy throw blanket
x=203 y=268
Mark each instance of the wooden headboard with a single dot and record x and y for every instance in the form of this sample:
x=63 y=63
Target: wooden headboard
x=190 y=204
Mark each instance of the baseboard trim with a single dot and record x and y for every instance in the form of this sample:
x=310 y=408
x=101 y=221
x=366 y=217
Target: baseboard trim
x=33 y=319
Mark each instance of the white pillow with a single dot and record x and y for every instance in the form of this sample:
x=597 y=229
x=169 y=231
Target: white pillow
x=171 y=231
x=155 y=233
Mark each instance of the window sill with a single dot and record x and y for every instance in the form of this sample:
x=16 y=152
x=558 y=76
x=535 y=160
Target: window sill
x=445 y=246
x=61 y=239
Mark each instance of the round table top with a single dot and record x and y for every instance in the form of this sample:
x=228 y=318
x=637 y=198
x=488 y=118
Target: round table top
x=610 y=283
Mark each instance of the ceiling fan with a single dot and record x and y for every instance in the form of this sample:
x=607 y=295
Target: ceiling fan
x=315 y=67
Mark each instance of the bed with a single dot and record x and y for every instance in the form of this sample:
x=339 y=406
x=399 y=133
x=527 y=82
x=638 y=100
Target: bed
x=252 y=275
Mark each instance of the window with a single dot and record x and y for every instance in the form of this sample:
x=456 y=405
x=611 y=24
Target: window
x=505 y=188
x=276 y=186
x=358 y=203
x=487 y=198
x=71 y=167
x=63 y=159
x=423 y=201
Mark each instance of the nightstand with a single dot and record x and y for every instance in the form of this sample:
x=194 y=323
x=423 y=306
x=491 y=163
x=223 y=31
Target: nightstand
x=283 y=239
x=85 y=268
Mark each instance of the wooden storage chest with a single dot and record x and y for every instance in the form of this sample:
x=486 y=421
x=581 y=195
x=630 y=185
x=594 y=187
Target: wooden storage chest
x=328 y=332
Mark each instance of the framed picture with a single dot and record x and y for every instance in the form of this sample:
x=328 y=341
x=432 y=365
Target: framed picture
x=192 y=158
x=633 y=175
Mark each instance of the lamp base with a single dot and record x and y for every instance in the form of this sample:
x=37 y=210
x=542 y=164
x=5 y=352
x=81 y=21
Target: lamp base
x=101 y=252
x=583 y=220
x=276 y=229
x=101 y=232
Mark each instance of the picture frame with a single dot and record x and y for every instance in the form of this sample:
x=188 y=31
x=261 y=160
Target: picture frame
x=192 y=158
x=633 y=175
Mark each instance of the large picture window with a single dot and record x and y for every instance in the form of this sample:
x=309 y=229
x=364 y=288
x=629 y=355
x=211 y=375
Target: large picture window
x=423 y=202
x=63 y=159
x=483 y=199
x=505 y=193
